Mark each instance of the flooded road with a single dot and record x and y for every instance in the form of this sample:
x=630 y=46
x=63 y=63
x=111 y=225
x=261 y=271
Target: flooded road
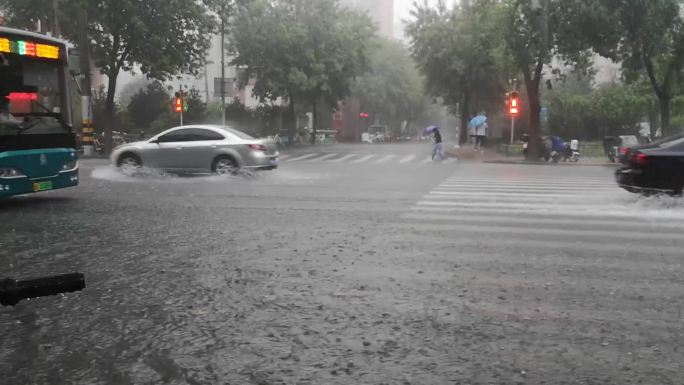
x=342 y=272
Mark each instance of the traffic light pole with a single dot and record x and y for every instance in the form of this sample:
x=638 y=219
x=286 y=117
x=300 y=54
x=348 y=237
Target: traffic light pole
x=182 y=104
x=512 y=129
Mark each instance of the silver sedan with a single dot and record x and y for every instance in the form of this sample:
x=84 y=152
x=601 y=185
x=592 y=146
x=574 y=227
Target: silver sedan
x=199 y=149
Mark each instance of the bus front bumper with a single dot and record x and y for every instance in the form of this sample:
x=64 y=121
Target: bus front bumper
x=26 y=185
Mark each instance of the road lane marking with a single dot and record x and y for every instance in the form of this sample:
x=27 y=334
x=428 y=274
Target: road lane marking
x=542 y=231
x=407 y=159
x=307 y=156
x=385 y=158
x=342 y=159
x=484 y=216
x=363 y=159
x=513 y=241
x=322 y=158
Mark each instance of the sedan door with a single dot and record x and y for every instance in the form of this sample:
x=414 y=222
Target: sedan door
x=169 y=149
x=200 y=149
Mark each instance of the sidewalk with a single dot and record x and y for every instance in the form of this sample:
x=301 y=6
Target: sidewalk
x=469 y=154
x=487 y=156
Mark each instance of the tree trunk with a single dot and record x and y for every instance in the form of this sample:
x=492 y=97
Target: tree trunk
x=665 y=102
x=314 y=120
x=534 y=130
x=465 y=118
x=109 y=111
x=292 y=117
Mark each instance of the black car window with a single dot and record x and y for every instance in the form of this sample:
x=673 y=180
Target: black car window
x=201 y=134
x=677 y=144
x=182 y=135
x=668 y=141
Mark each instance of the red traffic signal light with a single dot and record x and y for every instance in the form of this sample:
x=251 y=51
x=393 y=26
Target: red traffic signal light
x=178 y=105
x=363 y=115
x=514 y=103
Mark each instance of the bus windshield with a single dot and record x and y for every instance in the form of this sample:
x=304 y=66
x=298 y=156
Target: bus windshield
x=31 y=99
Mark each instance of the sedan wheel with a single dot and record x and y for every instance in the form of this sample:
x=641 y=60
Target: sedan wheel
x=129 y=161
x=225 y=166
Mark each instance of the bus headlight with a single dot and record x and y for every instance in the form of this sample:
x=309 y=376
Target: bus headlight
x=70 y=165
x=10 y=172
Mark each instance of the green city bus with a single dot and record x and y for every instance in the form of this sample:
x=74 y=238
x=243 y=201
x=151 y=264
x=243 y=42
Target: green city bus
x=38 y=150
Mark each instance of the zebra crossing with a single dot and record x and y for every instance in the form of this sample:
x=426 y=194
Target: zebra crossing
x=359 y=158
x=580 y=214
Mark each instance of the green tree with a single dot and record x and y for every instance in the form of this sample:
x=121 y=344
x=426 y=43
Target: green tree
x=541 y=33
x=648 y=36
x=392 y=89
x=303 y=51
x=148 y=104
x=197 y=109
x=456 y=51
x=612 y=109
x=160 y=38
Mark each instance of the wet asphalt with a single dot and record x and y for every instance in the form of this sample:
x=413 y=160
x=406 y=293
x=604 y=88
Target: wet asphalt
x=347 y=269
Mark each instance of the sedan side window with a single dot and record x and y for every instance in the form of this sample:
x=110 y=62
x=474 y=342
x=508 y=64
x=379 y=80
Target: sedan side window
x=175 y=136
x=200 y=134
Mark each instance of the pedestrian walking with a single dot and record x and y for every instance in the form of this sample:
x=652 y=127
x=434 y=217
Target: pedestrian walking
x=437 y=147
x=479 y=125
x=481 y=136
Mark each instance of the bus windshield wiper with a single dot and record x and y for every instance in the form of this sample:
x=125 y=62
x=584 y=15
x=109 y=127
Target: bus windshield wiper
x=40 y=117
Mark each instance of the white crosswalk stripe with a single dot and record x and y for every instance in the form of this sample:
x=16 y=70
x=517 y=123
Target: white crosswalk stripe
x=363 y=159
x=322 y=158
x=302 y=157
x=358 y=158
x=342 y=159
x=407 y=159
x=576 y=214
x=385 y=158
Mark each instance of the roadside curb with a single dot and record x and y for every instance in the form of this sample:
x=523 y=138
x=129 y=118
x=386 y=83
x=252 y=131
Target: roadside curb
x=522 y=162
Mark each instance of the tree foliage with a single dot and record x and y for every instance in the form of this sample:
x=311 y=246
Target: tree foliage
x=612 y=109
x=648 y=38
x=392 y=89
x=148 y=104
x=456 y=51
x=300 y=50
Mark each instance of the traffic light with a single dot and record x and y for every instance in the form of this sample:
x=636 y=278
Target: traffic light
x=178 y=105
x=514 y=103
x=363 y=115
x=185 y=104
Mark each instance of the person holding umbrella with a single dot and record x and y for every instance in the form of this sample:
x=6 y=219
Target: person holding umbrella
x=479 y=126
x=437 y=148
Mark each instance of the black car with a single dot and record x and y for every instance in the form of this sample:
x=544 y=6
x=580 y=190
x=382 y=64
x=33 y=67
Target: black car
x=655 y=167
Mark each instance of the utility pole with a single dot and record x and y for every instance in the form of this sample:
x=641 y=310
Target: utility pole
x=223 y=65
x=206 y=84
x=55 y=18
x=86 y=108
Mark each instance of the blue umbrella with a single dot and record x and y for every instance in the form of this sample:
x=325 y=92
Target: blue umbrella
x=430 y=130
x=477 y=121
